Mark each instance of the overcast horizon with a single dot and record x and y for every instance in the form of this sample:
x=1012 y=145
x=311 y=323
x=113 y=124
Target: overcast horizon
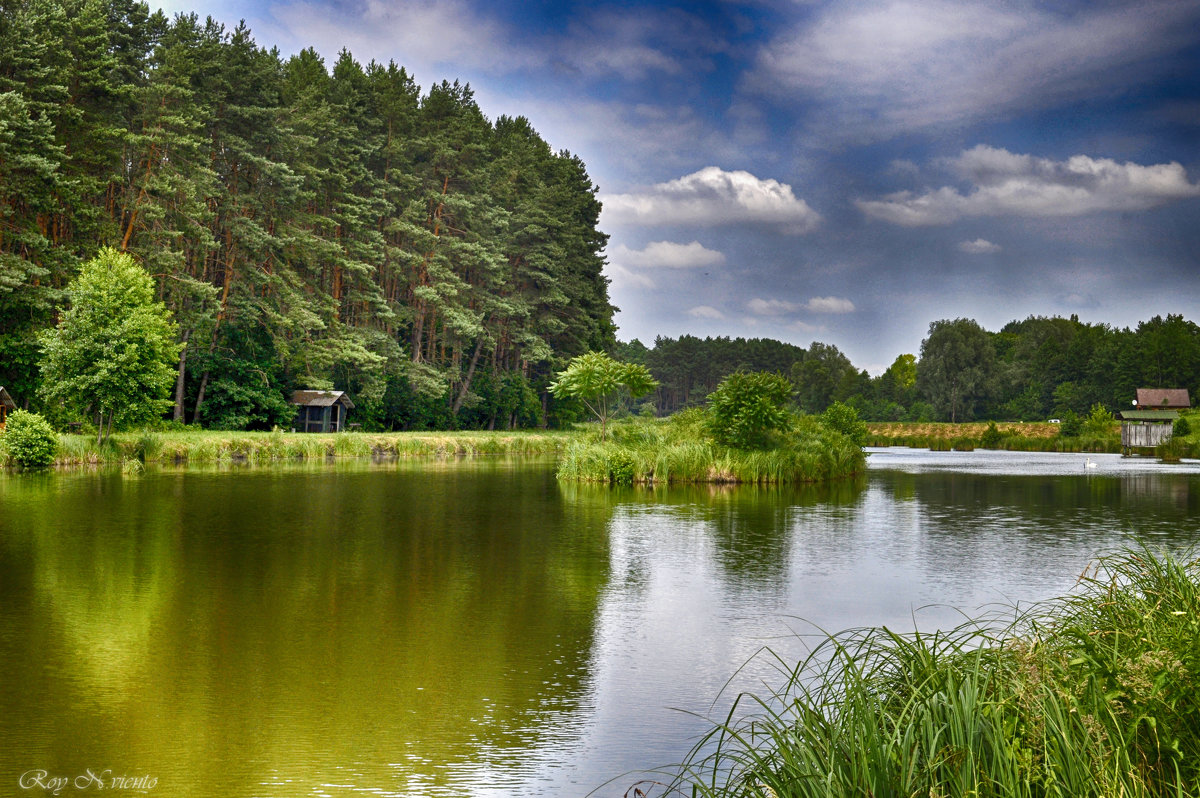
x=841 y=172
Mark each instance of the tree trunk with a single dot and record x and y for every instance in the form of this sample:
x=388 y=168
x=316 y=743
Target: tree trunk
x=200 y=397
x=178 y=414
x=466 y=386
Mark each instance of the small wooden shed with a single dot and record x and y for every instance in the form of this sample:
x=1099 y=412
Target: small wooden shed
x=7 y=405
x=1145 y=429
x=321 y=411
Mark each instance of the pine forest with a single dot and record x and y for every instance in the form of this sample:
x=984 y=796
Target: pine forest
x=308 y=225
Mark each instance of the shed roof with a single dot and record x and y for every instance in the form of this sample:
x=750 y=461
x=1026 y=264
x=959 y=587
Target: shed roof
x=321 y=399
x=1149 y=415
x=1163 y=397
x=7 y=400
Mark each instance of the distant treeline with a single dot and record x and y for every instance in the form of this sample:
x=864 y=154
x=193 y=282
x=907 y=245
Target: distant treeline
x=307 y=226
x=1030 y=370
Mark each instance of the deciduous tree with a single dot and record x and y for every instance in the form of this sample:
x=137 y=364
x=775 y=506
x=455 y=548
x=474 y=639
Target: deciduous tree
x=114 y=348
x=595 y=379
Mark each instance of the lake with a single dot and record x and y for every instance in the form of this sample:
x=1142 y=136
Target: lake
x=475 y=628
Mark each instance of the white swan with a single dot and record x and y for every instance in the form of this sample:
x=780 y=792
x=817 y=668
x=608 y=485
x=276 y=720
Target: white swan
x=1089 y=463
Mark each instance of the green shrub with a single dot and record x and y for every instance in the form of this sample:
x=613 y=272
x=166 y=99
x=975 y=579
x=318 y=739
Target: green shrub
x=1071 y=426
x=621 y=467
x=844 y=419
x=991 y=437
x=30 y=440
x=746 y=408
x=1099 y=421
x=1182 y=428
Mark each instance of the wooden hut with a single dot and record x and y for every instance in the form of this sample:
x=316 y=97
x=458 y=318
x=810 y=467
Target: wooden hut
x=7 y=405
x=1145 y=429
x=321 y=411
x=1152 y=421
x=1162 y=399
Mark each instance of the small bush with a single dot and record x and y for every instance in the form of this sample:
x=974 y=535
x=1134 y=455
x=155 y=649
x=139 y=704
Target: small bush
x=747 y=408
x=1182 y=428
x=621 y=467
x=30 y=440
x=1099 y=421
x=844 y=419
x=1071 y=426
x=991 y=437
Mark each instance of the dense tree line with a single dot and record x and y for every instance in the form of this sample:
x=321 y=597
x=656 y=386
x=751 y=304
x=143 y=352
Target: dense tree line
x=1030 y=370
x=307 y=226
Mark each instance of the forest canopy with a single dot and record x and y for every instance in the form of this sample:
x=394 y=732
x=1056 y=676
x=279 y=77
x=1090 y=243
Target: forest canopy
x=315 y=225
x=308 y=225
x=1030 y=370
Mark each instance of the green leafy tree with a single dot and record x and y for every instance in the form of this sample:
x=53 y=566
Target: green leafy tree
x=844 y=419
x=956 y=367
x=1099 y=421
x=29 y=439
x=596 y=380
x=114 y=349
x=746 y=408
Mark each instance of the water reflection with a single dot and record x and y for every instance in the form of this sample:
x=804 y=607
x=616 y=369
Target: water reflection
x=474 y=627
x=370 y=629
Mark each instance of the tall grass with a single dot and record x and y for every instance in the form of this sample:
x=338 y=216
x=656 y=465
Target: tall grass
x=203 y=446
x=677 y=450
x=1093 y=694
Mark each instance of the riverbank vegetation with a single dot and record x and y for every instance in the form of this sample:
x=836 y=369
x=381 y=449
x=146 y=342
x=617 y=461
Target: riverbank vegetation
x=1094 y=694
x=202 y=446
x=681 y=450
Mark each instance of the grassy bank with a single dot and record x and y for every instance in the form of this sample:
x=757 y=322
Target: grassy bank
x=1008 y=436
x=203 y=446
x=1093 y=694
x=677 y=450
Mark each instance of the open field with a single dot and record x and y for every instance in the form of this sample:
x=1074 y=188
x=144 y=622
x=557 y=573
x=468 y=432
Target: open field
x=973 y=429
x=1018 y=436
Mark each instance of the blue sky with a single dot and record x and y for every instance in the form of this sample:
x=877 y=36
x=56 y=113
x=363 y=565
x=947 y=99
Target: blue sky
x=846 y=172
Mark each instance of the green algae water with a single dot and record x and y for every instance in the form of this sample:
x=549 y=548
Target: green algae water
x=476 y=628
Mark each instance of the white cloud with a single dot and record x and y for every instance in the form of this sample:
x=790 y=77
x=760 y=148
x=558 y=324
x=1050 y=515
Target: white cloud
x=423 y=37
x=1008 y=184
x=713 y=196
x=705 y=312
x=979 y=246
x=635 y=44
x=881 y=68
x=829 y=304
x=622 y=277
x=771 y=307
x=669 y=255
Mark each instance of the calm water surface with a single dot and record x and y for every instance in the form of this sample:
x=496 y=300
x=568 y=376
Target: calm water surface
x=474 y=628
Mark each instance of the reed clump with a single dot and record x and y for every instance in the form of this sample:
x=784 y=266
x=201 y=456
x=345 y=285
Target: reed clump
x=679 y=450
x=1093 y=694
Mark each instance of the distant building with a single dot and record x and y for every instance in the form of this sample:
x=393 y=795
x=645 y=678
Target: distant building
x=1162 y=399
x=1152 y=421
x=321 y=411
x=7 y=405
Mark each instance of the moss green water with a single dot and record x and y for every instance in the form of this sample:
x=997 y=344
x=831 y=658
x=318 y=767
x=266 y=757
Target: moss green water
x=476 y=627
